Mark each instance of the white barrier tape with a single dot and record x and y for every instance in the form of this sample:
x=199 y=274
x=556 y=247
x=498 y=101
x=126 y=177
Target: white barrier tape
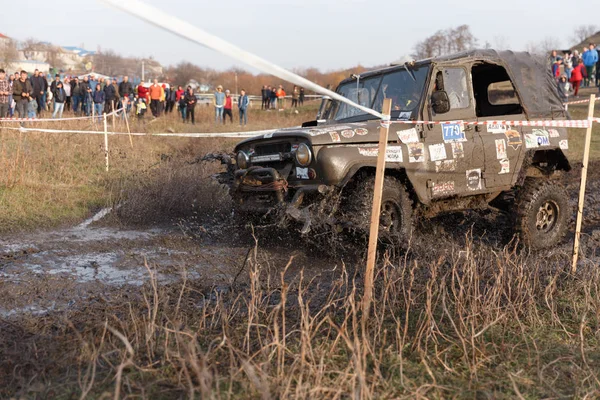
x=558 y=124
x=189 y=135
x=56 y=119
x=580 y=101
x=194 y=34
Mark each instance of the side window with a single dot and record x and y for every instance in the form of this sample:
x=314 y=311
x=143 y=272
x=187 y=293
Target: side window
x=495 y=94
x=500 y=93
x=455 y=84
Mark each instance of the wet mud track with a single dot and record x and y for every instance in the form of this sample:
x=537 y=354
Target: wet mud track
x=65 y=269
x=72 y=268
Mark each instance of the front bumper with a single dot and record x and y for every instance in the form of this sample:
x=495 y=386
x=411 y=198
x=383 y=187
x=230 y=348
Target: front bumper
x=262 y=189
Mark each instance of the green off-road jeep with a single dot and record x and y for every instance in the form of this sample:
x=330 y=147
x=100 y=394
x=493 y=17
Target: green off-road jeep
x=323 y=172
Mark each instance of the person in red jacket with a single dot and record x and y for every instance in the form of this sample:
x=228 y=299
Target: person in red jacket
x=577 y=76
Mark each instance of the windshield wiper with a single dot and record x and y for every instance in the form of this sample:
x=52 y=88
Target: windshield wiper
x=412 y=74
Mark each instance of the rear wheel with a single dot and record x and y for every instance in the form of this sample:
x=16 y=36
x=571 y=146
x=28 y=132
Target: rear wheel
x=396 y=219
x=541 y=213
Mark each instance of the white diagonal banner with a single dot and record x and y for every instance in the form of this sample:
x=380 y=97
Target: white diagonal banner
x=188 y=31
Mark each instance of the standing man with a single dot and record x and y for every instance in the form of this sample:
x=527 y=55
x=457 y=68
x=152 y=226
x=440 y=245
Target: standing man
x=265 y=98
x=22 y=89
x=190 y=101
x=155 y=94
x=243 y=103
x=110 y=96
x=590 y=58
x=40 y=86
x=126 y=88
x=280 y=98
x=301 y=97
x=4 y=94
x=99 y=98
x=67 y=87
x=87 y=93
x=54 y=84
x=59 y=100
x=76 y=95
x=219 y=103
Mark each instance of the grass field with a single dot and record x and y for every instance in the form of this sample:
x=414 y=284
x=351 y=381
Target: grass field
x=48 y=179
x=456 y=316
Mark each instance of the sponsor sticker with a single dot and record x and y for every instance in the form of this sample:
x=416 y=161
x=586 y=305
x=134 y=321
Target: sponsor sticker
x=335 y=137
x=500 y=149
x=392 y=154
x=361 y=131
x=408 y=136
x=553 y=133
x=514 y=139
x=445 y=166
x=457 y=150
x=437 y=151
x=442 y=189
x=416 y=152
x=453 y=132
x=405 y=115
x=564 y=144
x=497 y=128
x=301 y=173
x=347 y=133
x=504 y=166
x=474 y=179
x=368 y=151
x=537 y=138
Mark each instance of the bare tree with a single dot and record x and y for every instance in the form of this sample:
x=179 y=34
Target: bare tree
x=543 y=47
x=8 y=52
x=582 y=32
x=446 y=41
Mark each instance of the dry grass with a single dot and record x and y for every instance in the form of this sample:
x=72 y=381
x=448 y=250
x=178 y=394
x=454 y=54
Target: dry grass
x=470 y=324
x=48 y=179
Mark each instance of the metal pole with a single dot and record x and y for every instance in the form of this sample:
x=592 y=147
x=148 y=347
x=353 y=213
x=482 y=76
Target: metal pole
x=584 y=168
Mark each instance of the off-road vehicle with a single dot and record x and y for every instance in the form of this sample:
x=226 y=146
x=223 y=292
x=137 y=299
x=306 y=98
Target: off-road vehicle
x=324 y=171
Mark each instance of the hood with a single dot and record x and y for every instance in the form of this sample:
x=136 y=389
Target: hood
x=329 y=134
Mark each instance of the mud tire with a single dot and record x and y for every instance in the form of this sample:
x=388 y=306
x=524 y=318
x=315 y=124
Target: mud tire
x=541 y=213
x=394 y=229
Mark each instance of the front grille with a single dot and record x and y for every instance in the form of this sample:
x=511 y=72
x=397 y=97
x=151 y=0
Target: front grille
x=272 y=148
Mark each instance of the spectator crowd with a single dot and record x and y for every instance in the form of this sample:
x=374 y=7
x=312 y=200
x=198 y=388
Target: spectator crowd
x=574 y=70
x=25 y=96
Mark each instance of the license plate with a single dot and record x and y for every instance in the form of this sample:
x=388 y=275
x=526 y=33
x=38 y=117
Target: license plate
x=267 y=158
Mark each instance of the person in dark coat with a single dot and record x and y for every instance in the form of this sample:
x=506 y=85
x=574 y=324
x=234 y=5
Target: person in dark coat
x=265 y=92
x=22 y=90
x=40 y=86
x=110 y=96
x=190 y=101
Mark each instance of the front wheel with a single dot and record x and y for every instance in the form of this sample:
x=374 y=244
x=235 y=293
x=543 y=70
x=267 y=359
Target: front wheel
x=542 y=213
x=396 y=219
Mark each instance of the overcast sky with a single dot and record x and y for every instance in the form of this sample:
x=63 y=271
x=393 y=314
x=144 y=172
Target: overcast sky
x=327 y=34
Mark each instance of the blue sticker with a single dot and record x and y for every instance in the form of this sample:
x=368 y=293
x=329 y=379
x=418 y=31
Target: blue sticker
x=453 y=133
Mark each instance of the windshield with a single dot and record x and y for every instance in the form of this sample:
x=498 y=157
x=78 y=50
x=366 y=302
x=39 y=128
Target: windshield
x=400 y=86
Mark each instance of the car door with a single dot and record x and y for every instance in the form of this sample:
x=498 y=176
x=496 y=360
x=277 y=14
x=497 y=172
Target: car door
x=455 y=152
x=497 y=100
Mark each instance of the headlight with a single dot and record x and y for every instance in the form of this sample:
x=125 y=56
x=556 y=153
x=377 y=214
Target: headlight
x=242 y=160
x=303 y=155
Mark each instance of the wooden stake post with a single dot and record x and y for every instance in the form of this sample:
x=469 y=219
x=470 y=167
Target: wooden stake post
x=375 y=213
x=586 y=159
x=127 y=124
x=106 y=142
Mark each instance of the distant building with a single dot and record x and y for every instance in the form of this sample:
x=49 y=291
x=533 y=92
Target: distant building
x=28 y=65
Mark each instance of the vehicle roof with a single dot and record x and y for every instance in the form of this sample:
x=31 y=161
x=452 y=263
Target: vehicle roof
x=532 y=79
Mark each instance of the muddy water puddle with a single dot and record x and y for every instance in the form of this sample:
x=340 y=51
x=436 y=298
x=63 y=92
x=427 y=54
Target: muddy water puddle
x=56 y=270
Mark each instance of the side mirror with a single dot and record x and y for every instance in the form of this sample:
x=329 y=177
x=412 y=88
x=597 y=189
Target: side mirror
x=440 y=102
